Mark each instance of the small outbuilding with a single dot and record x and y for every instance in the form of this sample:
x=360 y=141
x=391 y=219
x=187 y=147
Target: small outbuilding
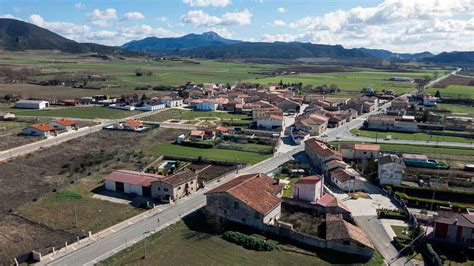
x=39 y=130
x=31 y=104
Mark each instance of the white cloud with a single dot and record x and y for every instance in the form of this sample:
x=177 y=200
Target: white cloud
x=398 y=25
x=281 y=38
x=202 y=19
x=279 y=23
x=79 y=5
x=281 y=10
x=66 y=29
x=223 y=32
x=162 y=19
x=9 y=16
x=206 y=3
x=97 y=14
x=133 y=16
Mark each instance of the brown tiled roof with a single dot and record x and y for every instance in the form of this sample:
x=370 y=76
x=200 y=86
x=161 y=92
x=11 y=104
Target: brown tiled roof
x=134 y=123
x=181 y=177
x=65 y=122
x=312 y=179
x=133 y=177
x=329 y=200
x=255 y=190
x=363 y=147
x=320 y=148
x=451 y=217
x=341 y=175
x=337 y=229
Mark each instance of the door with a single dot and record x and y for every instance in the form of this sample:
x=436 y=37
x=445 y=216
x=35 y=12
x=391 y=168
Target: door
x=146 y=191
x=119 y=187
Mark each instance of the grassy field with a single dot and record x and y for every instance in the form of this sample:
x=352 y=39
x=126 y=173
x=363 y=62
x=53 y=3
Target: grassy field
x=210 y=154
x=351 y=82
x=75 y=112
x=455 y=91
x=457 y=108
x=194 y=115
x=189 y=243
x=424 y=149
x=408 y=136
x=6 y=126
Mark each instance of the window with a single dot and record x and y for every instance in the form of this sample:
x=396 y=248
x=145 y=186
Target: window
x=165 y=189
x=191 y=182
x=179 y=188
x=236 y=205
x=159 y=188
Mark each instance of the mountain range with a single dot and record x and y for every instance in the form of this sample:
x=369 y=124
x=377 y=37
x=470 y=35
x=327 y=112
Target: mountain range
x=16 y=35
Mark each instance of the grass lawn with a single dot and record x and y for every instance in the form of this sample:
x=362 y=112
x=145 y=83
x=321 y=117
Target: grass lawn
x=211 y=154
x=455 y=91
x=6 y=126
x=457 y=108
x=253 y=147
x=60 y=209
x=398 y=230
x=410 y=136
x=77 y=112
x=288 y=191
x=189 y=242
x=425 y=149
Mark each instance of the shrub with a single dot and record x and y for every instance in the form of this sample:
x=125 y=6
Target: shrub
x=249 y=242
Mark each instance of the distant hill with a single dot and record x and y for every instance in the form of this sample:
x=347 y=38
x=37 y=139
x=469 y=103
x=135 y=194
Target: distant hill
x=452 y=58
x=385 y=54
x=162 y=46
x=276 y=50
x=16 y=35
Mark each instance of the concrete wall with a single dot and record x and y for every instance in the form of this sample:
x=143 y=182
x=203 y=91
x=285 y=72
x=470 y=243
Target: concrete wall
x=390 y=174
x=307 y=192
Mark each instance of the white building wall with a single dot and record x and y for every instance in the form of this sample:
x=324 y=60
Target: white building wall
x=29 y=131
x=273 y=216
x=110 y=185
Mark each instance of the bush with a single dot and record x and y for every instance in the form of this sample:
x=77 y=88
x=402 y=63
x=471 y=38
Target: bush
x=249 y=242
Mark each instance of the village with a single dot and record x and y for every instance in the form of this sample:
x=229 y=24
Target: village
x=331 y=177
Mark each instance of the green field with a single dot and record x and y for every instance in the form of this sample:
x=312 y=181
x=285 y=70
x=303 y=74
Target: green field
x=189 y=243
x=75 y=112
x=352 y=82
x=424 y=149
x=408 y=136
x=6 y=126
x=210 y=154
x=454 y=91
x=456 y=108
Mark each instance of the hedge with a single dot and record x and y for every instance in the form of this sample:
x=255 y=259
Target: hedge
x=463 y=196
x=414 y=201
x=249 y=242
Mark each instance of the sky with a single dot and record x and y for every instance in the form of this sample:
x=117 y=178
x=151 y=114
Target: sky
x=397 y=25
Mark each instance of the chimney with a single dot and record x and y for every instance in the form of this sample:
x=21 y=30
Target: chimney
x=455 y=221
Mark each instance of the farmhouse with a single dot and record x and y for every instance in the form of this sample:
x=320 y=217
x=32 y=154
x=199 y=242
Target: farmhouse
x=31 y=104
x=269 y=121
x=251 y=199
x=315 y=124
x=359 y=151
x=391 y=170
x=309 y=188
x=39 y=130
x=163 y=188
x=133 y=124
x=286 y=105
x=454 y=227
x=63 y=124
x=346 y=234
x=318 y=153
x=172 y=101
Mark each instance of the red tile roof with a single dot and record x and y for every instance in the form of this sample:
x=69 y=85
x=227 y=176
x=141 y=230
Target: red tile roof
x=65 y=122
x=180 y=178
x=363 y=147
x=255 y=190
x=133 y=177
x=341 y=175
x=312 y=179
x=320 y=148
x=43 y=127
x=337 y=229
x=134 y=123
x=329 y=200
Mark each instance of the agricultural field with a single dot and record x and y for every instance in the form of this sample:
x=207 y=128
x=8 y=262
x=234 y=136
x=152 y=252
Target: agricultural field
x=457 y=108
x=216 y=154
x=454 y=87
x=409 y=136
x=193 y=240
x=89 y=112
x=56 y=185
x=9 y=126
x=351 y=83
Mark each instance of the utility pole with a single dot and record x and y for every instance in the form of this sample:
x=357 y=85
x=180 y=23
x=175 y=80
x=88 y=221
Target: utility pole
x=75 y=216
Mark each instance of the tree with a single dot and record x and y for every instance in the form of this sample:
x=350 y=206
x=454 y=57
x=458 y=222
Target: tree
x=138 y=72
x=435 y=74
x=333 y=88
x=415 y=231
x=438 y=94
x=144 y=97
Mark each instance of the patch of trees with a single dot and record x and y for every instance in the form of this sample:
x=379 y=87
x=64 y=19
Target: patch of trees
x=25 y=73
x=141 y=72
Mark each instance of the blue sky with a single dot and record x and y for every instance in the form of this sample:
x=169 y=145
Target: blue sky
x=397 y=25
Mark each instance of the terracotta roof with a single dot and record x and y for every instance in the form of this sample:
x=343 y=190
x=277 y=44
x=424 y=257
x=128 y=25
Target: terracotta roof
x=329 y=200
x=255 y=190
x=181 y=177
x=337 y=229
x=390 y=159
x=197 y=133
x=134 y=123
x=320 y=148
x=447 y=216
x=43 y=127
x=65 y=122
x=222 y=129
x=341 y=175
x=133 y=177
x=312 y=179
x=415 y=156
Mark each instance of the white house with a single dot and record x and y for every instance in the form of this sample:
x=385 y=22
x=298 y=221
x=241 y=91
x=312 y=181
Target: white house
x=7 y=116
x=391 y=170
x=151 y=107
x=39 y=130
x=205 y=106
x=172 y=102
x=429 y=100
x=309 y=188
x=269 y=121
x=347 y=179
x=63 y=124
x=359 y=151
x=31 y=104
